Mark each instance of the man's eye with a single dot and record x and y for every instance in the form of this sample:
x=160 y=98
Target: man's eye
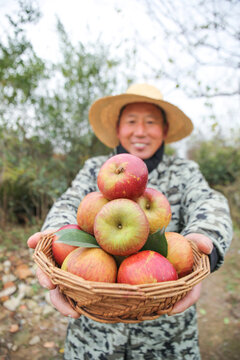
x=150 y=121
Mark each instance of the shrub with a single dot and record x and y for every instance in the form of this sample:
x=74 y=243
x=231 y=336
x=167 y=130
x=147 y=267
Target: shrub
x=219 y=162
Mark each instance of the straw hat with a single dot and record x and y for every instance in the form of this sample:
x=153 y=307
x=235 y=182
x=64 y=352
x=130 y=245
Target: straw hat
x=104 y=113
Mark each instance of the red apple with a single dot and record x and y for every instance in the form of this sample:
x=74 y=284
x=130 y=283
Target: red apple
x=146 y=267
x=88 y=209
x=123 y=176
x=156 y=207
x=121 y=227
x=60 y=250
x=91 y=264
x=180 y=253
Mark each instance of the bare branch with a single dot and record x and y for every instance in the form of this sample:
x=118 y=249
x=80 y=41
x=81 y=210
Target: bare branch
x=199 y=36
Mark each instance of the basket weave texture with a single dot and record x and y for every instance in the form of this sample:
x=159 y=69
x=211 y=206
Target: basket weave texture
x=112 y=303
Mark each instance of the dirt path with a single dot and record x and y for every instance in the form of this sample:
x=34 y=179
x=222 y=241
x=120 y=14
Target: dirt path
x=34 y=330
x=219 y=309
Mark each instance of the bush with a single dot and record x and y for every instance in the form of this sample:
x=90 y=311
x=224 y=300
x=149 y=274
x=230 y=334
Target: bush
x=31 y=178
x=219 y=162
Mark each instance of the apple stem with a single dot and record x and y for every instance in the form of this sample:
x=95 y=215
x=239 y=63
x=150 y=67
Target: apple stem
x=120 y=226
x=148 y=206
x=119 y=170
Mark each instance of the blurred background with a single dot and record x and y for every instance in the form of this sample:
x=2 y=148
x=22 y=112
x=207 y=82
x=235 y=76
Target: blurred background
x=56 y=58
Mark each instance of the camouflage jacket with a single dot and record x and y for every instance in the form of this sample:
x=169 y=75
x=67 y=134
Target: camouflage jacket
x=195 y=208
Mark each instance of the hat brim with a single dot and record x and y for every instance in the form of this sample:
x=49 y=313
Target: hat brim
x=104 y=113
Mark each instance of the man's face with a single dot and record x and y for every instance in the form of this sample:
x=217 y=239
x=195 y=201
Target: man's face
x=141 y=130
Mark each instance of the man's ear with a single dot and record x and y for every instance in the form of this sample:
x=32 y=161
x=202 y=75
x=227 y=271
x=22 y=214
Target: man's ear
x=165 y=130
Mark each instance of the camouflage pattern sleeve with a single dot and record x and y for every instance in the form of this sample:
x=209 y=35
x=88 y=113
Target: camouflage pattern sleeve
x=205 y=210
x=64 y=210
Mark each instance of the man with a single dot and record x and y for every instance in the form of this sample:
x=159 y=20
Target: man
x=140 y=122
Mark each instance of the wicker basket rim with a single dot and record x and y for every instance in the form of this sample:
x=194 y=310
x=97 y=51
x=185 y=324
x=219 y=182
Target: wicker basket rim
x=183 y=281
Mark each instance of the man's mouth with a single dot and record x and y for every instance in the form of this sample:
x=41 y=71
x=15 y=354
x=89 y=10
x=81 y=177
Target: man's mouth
x=139 y=145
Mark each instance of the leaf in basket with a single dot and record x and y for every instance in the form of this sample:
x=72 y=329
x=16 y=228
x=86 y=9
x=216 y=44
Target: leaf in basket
x=119 y=259
x=76 y=237
x=157 y=242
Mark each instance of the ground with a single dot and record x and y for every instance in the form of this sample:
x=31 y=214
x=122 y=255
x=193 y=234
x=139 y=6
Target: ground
x=31 y=329
x=219 y=309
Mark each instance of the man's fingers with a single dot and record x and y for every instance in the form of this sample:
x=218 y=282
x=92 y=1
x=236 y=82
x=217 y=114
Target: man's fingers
x=57 y=299
x=44 y=279
x=34 y=239
x=190 y=299
x=203 y=243
x=61 y=304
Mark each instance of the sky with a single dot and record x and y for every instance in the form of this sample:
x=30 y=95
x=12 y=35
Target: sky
x=115 y=21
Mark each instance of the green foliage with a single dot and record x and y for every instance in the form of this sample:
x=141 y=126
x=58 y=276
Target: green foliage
x=157 y=242
x=77 y=237
x=30 y=177
x=20 y=67
x=45 y=136
x=219 y=160
x=14 y=238
x=84 y=74
x=232 y=193
x=169 y=150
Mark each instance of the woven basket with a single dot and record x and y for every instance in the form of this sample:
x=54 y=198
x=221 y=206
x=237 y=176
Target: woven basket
x=111 y=303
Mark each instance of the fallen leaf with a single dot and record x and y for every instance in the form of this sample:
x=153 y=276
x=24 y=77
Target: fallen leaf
x=14 y=328
x=23 y=271
x=8 y=284
x=4 y=298
x=7 y=291
x=49 y=344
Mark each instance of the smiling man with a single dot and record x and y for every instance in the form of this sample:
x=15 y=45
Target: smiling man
x=141 y=129
x=140 y=122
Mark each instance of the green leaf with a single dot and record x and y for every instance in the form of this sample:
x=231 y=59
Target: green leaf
x=202 y=311
x=119 y=259
x=226 y=320
x=157 y=242
x=76 y=237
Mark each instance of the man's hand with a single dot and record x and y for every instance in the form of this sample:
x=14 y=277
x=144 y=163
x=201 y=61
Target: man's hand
x=58 y=300
x=205 y=245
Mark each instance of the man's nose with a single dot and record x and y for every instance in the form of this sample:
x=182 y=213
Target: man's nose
x=140 y=129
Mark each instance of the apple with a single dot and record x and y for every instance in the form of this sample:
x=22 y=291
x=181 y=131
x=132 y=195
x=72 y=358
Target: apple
x=60 y=250
x=156 y=207
x=122 y=176
x=88 y=209
x=146 y=267
x=91 y=264
x=180 y=253
x=121 y=227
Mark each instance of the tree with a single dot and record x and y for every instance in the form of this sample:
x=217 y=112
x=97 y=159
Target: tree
x=84 y=73
x=201 y=45
x=21 y=69
x=44 y=132
x=52 y=100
